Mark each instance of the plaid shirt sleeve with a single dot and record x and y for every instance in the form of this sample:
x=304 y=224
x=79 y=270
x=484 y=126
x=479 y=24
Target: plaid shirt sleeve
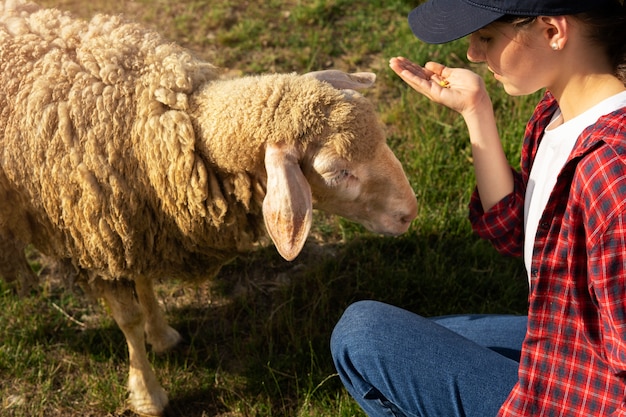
x=503 y=224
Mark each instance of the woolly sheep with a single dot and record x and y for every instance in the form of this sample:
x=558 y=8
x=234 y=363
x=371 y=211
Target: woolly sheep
x=127 y=160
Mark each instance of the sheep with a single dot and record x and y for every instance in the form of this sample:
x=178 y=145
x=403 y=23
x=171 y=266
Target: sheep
x=128 y=160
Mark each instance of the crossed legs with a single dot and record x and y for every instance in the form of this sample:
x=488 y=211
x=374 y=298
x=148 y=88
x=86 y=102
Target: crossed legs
x=396 y=363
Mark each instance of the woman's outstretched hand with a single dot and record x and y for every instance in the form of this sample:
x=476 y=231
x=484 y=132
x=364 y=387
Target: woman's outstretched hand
x=459 y=89
x=464 y=91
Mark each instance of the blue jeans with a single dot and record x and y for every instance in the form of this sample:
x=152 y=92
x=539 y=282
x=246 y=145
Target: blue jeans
x=396 y=363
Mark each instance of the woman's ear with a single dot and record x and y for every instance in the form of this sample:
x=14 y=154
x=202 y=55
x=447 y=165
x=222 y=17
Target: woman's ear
x=555 y=30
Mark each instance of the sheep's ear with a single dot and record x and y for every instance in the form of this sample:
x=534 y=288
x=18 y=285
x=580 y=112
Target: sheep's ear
x=288 y=204
x=345 y=81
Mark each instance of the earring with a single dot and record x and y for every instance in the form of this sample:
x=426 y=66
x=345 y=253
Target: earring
x=554 y=46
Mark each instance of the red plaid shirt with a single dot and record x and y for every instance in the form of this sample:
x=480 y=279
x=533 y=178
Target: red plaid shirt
x=574 y=356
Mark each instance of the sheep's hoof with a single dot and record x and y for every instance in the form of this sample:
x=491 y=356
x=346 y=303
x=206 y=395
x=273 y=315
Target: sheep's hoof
x=165 y=340
x=152 y=405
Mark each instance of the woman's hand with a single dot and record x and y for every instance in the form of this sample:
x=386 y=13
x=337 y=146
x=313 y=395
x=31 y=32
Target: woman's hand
x=464 y=91
x=459 y=89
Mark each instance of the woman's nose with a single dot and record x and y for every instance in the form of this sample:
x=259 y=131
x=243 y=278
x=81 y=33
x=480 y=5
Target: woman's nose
x=474 y=51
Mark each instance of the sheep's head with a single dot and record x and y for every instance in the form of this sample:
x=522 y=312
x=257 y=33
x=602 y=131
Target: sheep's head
x=351 y=173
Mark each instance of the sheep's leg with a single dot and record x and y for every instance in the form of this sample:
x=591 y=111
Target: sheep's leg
x=14 y=268
x=158 y=333
x=146 y=396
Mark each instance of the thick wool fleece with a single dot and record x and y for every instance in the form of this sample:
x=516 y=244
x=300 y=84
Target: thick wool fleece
x=123 y=153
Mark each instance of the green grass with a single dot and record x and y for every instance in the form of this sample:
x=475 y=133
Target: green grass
x=256 y=339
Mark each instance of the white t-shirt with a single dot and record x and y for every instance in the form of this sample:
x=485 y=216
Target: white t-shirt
x=557 y=143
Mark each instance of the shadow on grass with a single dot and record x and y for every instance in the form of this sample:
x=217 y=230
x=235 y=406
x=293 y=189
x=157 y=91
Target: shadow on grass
x=256 y=338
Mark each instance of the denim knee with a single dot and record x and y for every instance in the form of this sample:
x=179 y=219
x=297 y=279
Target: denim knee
x=354 y=343
x=353 y=327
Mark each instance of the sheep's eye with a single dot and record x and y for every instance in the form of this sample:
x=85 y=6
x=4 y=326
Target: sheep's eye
x=337 y=177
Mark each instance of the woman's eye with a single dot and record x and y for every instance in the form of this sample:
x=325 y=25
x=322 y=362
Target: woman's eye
x=484 y=39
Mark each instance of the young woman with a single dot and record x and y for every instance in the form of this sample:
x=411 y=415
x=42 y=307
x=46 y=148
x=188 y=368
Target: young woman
x=565 y=212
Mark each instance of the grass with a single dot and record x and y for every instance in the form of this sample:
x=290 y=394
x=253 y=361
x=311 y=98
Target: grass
x=256 y=339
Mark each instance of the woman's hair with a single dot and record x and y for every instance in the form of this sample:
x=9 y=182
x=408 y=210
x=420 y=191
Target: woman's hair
x=606 y=27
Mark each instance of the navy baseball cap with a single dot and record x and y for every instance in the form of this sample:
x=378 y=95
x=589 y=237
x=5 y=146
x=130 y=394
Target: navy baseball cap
x=441 y=21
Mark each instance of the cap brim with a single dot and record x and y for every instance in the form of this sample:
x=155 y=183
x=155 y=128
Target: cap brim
x=441 y=21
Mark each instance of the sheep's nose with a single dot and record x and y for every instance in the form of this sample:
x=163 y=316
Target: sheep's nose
x=412 y=211
x=406 y=219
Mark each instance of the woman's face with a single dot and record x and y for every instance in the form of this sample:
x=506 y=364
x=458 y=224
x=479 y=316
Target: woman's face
x=516 y=57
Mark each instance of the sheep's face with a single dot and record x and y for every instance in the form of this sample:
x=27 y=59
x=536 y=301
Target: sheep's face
x=373 y=191
x=344 y=167
x=353 y=173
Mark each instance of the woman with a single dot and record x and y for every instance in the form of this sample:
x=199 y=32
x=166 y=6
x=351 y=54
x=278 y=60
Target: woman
x=565 y=212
